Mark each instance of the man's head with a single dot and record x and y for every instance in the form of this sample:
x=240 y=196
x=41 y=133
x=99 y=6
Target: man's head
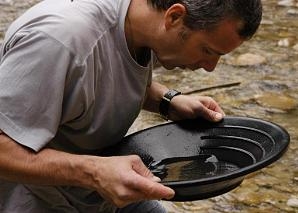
x=197 y=32
x=207 y=14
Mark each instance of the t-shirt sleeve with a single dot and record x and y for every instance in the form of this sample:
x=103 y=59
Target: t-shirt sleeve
x=33 y=71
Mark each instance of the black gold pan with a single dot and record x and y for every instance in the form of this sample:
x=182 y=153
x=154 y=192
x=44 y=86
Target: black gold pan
x=200 y=159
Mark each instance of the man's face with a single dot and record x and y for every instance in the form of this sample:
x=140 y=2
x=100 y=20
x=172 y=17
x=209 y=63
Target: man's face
x=185 y=48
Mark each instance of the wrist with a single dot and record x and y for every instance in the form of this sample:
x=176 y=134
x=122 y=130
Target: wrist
x=164 y=104
x=87 y=167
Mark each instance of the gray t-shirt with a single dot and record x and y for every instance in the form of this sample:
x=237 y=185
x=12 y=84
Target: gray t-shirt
x=67 y=81
x=66 y=75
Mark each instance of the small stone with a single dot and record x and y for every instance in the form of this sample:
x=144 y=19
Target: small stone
x=274 y=100
x=249 y=59
x=286 y=42
x=5 y=2
x=292 y=12
x=267 y=22
x=286 y=3
x=293 y=202
x=295 y=47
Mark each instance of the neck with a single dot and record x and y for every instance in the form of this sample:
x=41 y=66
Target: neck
x=135 y=33
x=140 y=54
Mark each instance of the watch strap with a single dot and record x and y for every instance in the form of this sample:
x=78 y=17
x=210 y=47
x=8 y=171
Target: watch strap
x=165 y=103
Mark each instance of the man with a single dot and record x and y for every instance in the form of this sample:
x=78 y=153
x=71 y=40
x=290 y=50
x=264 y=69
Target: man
x=74 y=76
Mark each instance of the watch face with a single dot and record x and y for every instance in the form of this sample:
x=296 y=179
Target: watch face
x=171 y=93
x=165 y=102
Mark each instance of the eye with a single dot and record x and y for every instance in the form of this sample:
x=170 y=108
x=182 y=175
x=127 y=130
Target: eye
x=206 y=51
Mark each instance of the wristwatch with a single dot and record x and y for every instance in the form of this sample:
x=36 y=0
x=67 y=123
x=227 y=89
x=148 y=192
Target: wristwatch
x=165 y=103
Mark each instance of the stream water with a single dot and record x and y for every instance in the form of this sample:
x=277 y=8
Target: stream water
x=265 y=77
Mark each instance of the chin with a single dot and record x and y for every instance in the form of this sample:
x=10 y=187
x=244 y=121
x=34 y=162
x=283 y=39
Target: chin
x=168 y=67
x=172 y=67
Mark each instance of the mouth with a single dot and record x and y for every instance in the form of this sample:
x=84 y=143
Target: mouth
x=192 y=68
x=186 y=68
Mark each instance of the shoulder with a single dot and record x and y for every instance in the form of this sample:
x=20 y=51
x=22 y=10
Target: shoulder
x=77 y=24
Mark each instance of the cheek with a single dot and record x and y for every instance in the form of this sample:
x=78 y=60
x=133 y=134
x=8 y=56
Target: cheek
x=191 y=52
x=191 y=56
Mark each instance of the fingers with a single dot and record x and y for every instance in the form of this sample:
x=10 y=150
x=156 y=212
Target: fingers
x=211 y=110
x=140 y=189
x=138 y=183
x=140 y=167
x=147 y=183
x=155 y=190
x=133 y=193
x=125 y=179
x=190 y=107
x=212 y=115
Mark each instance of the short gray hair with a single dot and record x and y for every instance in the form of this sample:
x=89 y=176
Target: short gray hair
x=206 y=14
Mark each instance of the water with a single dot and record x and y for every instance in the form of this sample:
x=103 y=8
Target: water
x=195 y=169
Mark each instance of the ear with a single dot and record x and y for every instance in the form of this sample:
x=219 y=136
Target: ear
x=174 y=15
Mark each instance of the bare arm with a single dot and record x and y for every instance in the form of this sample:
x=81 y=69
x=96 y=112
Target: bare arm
x=21 y=164
x=154 y=95
x=183 y=106
x=121 y=180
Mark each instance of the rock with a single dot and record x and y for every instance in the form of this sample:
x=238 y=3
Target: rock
x=286 y=3
x=286 y=42
x=295 y=47
x=293 y=202
x=274 y=100
x=267 y=22
x=249 y=59
x=292 y=12
x=5 y=2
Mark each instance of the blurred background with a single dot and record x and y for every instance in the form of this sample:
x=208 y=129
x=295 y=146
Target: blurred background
x=259 y=79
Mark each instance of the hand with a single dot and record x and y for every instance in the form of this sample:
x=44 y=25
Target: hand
x=190 y=107
x=125 y=179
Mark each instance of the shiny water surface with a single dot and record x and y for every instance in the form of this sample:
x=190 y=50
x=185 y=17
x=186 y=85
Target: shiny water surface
x=187 y=170
x=263 y=74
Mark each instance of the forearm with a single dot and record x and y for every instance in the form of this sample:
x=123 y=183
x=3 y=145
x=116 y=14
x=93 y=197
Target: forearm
x=121 y=180
x=154 y=95
x=47 y=167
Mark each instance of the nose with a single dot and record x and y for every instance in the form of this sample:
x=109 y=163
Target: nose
x=209 y=65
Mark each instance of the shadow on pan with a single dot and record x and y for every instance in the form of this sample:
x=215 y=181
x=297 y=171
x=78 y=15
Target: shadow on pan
x=200 y=159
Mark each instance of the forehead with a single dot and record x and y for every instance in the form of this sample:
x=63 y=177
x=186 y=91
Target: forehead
x=224 y=38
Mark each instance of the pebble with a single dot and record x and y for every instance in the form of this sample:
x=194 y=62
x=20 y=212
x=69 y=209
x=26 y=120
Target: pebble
x=275 y=100
x=295 y=47
x=293 y=202
x=5 y=2
x=284 y=42
x=292 y=12
x=286 y=3
x=249 y=59
x=267 y=22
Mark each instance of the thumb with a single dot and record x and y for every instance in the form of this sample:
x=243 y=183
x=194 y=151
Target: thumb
x=147 y=182
x=140 y=168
